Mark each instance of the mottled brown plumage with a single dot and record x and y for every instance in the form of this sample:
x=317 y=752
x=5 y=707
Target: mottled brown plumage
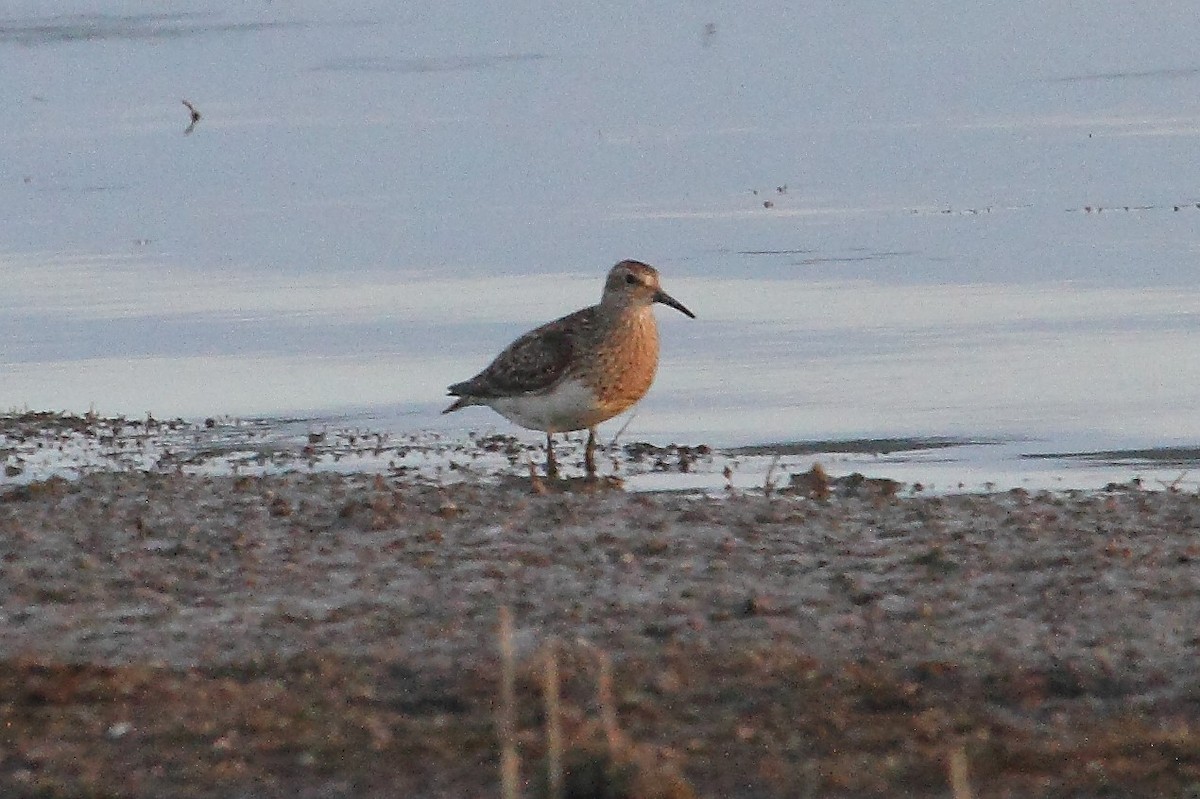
x=582 y=369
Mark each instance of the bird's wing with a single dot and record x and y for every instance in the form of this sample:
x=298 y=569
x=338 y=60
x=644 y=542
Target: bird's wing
x=531 y=364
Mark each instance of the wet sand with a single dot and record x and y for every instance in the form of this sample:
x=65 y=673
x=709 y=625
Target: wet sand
x=335 y=635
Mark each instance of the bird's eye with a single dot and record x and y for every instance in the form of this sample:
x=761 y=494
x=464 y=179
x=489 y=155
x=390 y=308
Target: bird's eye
x=631 y=279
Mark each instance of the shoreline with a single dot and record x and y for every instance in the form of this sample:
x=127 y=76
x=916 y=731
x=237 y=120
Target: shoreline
x=36 y=446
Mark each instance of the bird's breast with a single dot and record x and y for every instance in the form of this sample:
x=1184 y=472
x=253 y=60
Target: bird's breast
x=625 y=363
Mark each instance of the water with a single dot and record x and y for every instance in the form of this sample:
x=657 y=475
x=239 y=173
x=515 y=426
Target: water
x=893 y=220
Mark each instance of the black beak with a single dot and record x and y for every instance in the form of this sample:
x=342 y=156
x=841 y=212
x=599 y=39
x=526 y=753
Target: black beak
x=667 y=299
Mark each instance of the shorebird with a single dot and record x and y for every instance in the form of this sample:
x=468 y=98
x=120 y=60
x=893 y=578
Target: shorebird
x=580 y=370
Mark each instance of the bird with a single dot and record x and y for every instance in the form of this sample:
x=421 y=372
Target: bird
x=195 y=117
x=579 y=370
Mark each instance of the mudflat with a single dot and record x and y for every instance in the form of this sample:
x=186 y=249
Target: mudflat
x=336 y=635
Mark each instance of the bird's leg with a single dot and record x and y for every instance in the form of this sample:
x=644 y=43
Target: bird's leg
x=551 y=464
x=589 y=454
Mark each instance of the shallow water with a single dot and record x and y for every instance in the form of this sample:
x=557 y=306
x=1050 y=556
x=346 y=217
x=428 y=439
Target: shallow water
x=909 y=220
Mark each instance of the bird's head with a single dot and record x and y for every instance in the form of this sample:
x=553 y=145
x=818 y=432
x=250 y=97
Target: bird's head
x=635 y=283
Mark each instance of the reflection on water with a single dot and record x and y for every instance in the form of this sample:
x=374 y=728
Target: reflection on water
x=929 y=241
x=32 y=32
x=417 y=65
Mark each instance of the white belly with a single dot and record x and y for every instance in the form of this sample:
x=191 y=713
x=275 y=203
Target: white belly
x=570 y=406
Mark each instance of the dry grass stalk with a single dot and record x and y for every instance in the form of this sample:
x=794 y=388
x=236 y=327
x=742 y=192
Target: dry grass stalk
x=814 y=484
x=616 y=437
x=608 y=706
x=604 y=695
x=554 y=736
x=535 y=481
x=599 y=763
x=769 y=481
x=506 y=723
x=960 y=781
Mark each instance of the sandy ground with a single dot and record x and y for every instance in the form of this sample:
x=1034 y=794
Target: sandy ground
x=335 y=635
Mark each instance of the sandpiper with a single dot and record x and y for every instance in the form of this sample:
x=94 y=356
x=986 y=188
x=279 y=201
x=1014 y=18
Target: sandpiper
x=580 y=370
